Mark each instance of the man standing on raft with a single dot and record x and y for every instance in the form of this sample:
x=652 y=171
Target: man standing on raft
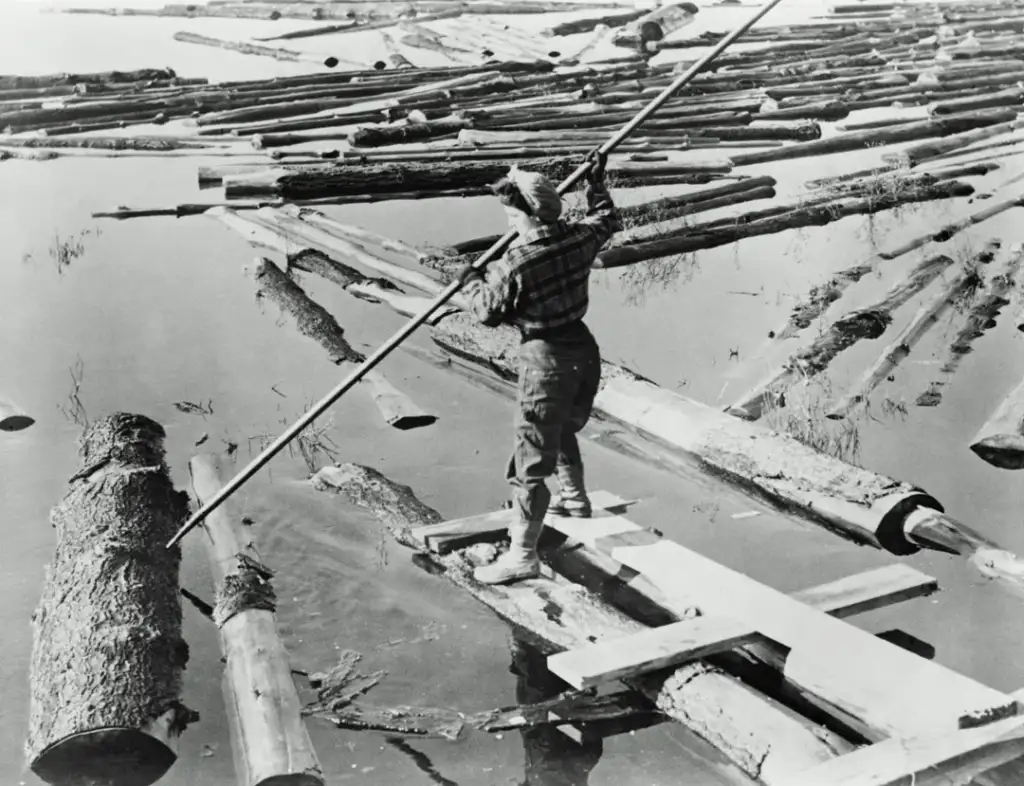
x=541 y=286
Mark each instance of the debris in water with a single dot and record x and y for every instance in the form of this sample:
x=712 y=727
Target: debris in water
x=747 y=515
x=190 y=408
x=202 y=439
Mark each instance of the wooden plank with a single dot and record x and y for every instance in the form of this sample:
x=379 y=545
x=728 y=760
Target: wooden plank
x=869 y=590
x=893 y=692
x=649 y=650
x=954 y=758
x=447 y=536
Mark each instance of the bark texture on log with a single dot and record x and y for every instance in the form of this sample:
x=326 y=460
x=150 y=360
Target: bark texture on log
x=107 y=655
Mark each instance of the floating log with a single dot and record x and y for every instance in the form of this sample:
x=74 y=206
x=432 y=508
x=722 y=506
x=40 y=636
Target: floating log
x=13 y=417
x=426 y=176
x=379 y=136
x=950 y=230
x=178 y=211
x=245 y=48
x=107 y=651
x=655 y=25
x=679 y=239
x=981 y=317
x=575 y=26
x=154 y=143
x=395 y=56
x=923 y=129
x=309 y=32
x=269 y=738
x=904 y=342
x=711 y=704
x=868 y=322
x=1000 y=441
x=1012 y=97
x=913 y=156
x=314 y=321
x=113 y=78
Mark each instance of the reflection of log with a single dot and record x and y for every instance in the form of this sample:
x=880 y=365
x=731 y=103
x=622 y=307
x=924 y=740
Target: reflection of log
x=269 y=738
x=981 y=317
x=868 y=322
x=1000 y=441
x=681 y=239
x=904 y=342
x=12 y=417
x=763 y=740
x=314 y=321
x=107 y=655
x=246 y=48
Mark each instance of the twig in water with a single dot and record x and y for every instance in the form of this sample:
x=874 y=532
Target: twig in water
x=75 y=411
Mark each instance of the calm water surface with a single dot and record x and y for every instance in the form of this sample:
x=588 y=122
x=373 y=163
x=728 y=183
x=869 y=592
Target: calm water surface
x=159 y=310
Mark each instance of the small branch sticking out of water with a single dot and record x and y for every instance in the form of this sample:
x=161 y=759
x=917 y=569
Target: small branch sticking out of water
x=75 y=412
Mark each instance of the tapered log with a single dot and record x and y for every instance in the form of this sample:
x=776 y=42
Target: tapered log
x=242 y=47
x=912 y=156
x=575 y=26
x=309 y=32
x=313 y=321
x=767 y=743
x=904 y=342
x=857 y=140
x=107 y=651
x=352 y=179
x=13 y=417
x=869 y=322
x=981 y=317
x=269 y=738
x=681 y=237
x=1012 y=97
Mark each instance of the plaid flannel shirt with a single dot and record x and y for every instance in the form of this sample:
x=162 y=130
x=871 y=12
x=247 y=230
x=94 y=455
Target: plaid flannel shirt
x=542 y=282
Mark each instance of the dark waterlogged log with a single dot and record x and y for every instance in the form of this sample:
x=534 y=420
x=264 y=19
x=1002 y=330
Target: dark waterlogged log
x=981 y=317
x=315 y=322
x=13 y=417
x=1000 y=441
x=118 y=78
x=107 y=652
x=575 y=26
x=766 y=743
x=656 y=25
x=268 y=736
x=682 y=237
x=869 y=322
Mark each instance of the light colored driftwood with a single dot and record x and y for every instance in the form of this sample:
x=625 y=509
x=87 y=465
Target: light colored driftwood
x=107 y=652
x=13 y=417
x=269 y=738
x=245 y=48
x=765 y=742
x=902 y=344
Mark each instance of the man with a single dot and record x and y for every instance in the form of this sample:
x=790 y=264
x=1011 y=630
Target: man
x=541 y=287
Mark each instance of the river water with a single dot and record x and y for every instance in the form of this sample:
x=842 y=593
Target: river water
x=150 y=312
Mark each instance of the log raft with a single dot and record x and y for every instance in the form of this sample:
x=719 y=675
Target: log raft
x=268 y=735
x=107 y=649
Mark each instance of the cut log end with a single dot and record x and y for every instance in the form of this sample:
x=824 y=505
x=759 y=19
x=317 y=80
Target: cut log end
x=112 y=757
x=409 y=422
x=1005 y=451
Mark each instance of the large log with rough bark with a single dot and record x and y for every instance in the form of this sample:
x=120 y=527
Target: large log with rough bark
x=767 y=743
x=107 y=649
x=315 y=322
x=269 y=738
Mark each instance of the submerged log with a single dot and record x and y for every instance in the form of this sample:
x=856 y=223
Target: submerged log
x=764 y=741
x=314 y=321
x=981 y=317
x=682 y=237
x=107 y=654
x=857 y=140
x=904 y=341
x=869 y=322
x=269 y=738
x=245 y=48
x=13 y=417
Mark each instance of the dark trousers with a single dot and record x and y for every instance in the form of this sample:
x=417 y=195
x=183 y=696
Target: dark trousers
x=558 y=380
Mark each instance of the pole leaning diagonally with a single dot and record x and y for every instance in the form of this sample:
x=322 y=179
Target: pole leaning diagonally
x=488 y=256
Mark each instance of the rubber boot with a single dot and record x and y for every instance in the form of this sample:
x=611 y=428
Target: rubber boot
x=520 y=561
x=572 y=499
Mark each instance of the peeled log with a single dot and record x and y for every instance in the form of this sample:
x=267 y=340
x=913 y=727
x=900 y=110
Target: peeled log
x=766 y=742
x=656 y=25
x=314 y=321
x=267 y=51
x=107 y=651
x=868 y=322
x=1000 y=442
x=12 y=417
x=269 y=738
x=891 y=135
x=912 y=156
x=679 y=239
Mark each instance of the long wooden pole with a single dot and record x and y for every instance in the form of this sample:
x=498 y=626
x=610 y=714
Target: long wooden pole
x=498 y=248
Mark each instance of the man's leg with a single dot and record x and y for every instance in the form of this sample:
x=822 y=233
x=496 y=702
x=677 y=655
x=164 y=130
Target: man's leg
x=546 y=392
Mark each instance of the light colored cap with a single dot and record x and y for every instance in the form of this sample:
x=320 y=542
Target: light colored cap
x=539 y=192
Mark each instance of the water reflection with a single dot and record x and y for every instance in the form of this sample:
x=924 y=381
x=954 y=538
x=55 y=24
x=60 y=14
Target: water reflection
x=552 y=757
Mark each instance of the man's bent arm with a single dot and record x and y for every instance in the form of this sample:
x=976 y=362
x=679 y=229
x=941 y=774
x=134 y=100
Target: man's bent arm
x=491 y=295
x=602 y=217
